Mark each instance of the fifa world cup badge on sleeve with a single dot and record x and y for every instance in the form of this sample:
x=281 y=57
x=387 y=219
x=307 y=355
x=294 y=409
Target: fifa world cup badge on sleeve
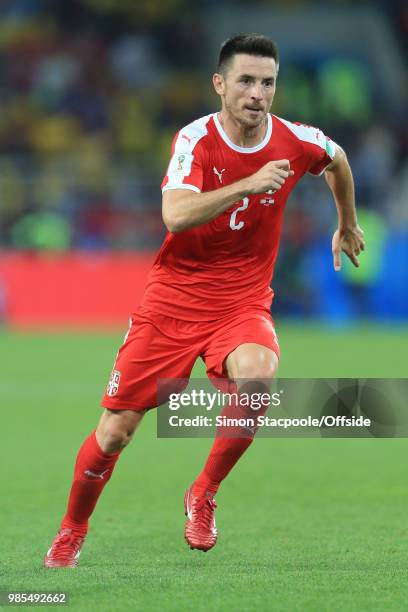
x=113 y=384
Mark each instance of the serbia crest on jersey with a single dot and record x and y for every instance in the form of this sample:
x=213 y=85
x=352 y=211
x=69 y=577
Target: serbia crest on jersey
x=214 y=269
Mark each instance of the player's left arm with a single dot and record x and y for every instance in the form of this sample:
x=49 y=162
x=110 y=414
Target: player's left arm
x=349 y=237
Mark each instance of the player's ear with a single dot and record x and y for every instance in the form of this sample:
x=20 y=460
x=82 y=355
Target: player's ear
x=219 y=83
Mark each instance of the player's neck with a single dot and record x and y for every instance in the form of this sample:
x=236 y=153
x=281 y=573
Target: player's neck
x=239 y=134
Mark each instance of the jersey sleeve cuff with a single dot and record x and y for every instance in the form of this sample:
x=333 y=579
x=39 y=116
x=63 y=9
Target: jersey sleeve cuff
x=321 y=171
x=183 y=186
x=325 y=165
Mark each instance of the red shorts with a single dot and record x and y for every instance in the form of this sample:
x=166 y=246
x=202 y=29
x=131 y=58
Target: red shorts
x=159 y=347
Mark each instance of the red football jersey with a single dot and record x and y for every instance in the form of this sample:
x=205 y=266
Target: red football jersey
x=211 y=270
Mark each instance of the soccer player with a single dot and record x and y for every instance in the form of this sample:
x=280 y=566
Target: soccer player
x=208 y=294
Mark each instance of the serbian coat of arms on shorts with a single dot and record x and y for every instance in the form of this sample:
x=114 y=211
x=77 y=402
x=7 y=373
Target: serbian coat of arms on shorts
x=113 y=384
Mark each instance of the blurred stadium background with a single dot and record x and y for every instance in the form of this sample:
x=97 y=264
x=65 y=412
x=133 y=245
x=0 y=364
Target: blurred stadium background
x=92 y=92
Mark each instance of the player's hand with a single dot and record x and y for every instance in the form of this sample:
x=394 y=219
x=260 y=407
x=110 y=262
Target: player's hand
x=351 y=242
x=270 y=177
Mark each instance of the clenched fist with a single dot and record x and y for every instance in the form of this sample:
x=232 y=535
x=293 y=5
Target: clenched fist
x=270 y=177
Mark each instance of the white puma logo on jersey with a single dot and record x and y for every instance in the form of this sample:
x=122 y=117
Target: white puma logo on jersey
x=101 y=475
x=219 y=174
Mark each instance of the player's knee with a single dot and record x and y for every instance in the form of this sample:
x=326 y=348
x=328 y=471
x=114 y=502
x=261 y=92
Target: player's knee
x=114 y=440
x=115 y=431
x=256 y=368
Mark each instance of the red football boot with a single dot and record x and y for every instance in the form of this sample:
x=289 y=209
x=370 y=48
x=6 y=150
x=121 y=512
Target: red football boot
x=65 y=549
x=200 y=531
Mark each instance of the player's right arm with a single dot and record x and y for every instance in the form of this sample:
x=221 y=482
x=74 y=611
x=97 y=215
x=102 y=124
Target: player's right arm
x=183 y=208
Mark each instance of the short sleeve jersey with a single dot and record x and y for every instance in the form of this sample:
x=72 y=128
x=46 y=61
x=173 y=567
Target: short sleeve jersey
x=209 y=271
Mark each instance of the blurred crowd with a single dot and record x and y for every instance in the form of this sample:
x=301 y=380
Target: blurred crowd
x=92 y=92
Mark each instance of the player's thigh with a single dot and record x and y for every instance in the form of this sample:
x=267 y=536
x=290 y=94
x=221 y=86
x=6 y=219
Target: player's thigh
x=155 y=348
x=244 y=346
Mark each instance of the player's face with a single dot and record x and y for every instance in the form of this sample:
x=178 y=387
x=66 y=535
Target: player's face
x=247 y=89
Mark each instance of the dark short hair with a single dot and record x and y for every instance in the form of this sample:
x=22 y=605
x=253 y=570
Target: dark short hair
x=250 y=44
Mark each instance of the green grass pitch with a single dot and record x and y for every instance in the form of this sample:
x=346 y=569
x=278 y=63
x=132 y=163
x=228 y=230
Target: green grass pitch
x=305 y=524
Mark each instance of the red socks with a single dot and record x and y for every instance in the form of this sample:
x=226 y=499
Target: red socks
x=93 y=469
x=225 y=451
x=224 y=454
